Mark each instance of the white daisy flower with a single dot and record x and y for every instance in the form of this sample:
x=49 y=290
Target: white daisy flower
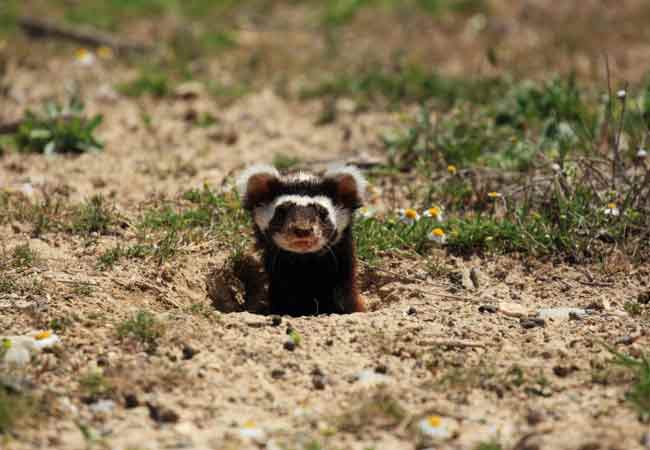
x=438 y=235
x=366 y=212
x=251 y=431
x=622 y=93
x=642 y=153
x=84 y=57
x=612 y=210
x=434 y=427
x=18 y=350
x=494 y=195
x=409 y=216
x=556 y=168
x=434 y=212
x=45 y=339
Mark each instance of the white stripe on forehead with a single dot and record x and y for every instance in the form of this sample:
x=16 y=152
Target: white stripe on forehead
x=299 y=177
x=264 y=214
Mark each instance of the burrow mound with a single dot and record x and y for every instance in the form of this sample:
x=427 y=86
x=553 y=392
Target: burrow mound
x=241 y=284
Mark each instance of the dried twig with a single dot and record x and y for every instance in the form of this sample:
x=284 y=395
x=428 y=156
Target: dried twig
x=451 y=343
x=39 y=28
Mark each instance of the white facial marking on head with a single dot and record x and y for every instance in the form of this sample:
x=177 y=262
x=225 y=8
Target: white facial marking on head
x=264 y=214
x=299 y=177
x=242 y=180
x=359 y=179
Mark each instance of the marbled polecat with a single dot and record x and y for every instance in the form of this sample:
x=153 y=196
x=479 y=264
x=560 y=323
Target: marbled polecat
x=302 y=225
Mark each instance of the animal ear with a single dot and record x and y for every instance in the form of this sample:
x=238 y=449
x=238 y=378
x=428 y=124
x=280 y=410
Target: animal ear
x=349 y=185
x=255 y=185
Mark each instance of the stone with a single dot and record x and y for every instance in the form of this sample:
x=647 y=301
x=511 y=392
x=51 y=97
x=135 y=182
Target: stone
x=561 y=313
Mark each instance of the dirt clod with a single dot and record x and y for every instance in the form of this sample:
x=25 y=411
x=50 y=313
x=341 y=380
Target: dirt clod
x=162 y=414
x=487 y=309
x=532 y=322
x=189 y=352
x=131 y=400
x=318 y=382
x=277 y=374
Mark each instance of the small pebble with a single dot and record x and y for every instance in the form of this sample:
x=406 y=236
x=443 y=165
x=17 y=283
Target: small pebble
x=532 y=322
x=487 y=309
x=276 y=321
x=276 y=374
x=318 y=382
x=382 y=369
x=289 y=345
x=329 y=342
x=564 y=371
x=161 y=414
x=189 y=352
x=102 y=406
x=534 y=417
x=131 y=400
x=102 y=361
x=411 y=311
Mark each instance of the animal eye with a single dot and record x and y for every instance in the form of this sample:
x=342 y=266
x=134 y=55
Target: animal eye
x=323 y=214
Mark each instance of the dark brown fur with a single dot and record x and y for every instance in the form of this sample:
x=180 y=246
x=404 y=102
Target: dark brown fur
x=321 y=282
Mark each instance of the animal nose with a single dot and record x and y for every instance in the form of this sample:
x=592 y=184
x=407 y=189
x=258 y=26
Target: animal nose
x=301 y=231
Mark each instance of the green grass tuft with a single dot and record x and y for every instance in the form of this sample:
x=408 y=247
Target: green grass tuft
x=145 y=328
x=148 y=83
x=60 y=129
x=94 y=216
x=23 y=256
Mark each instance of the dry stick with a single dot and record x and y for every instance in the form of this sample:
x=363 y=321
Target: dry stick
x=451 y=343
x=39 y=28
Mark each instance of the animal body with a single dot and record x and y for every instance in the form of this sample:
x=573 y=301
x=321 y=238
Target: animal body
x=302 y=224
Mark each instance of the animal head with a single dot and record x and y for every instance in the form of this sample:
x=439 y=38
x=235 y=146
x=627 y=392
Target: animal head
x=302 y=212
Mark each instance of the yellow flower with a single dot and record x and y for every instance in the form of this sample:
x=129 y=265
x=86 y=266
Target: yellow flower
x=438 y=235
x=452 y=169
x=105 y=52
x=42 y=335
x=366 y=212
x=84 y=57
x=612 y=210
x=494 y=195
x=433 y=428
x=409 y=215
x=434 y=421
x=434 y=212
x=44 y=339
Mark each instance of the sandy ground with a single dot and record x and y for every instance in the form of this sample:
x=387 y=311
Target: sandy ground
x=353 y=382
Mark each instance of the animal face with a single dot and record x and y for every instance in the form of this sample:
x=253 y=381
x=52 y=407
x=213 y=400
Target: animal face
x=302 y=224
x=300 y=212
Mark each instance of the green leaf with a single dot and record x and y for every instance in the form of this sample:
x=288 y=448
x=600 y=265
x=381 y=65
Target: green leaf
x=40 y=133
